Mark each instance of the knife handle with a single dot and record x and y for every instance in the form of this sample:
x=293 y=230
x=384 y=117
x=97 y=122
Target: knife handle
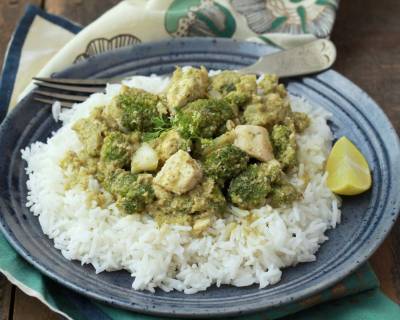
x=311 y=57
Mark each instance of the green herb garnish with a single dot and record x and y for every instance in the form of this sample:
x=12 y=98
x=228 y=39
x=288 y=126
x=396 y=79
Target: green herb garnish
x=159 y=125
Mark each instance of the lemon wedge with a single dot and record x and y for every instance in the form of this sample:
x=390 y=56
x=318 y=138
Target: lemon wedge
x=348 y=171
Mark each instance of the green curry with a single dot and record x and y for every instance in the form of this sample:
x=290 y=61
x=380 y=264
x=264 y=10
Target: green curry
x=183 y=155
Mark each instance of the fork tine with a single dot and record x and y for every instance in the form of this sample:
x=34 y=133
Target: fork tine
x=91 y=89
x=86 y=82
x=63 y=104
x=70 y=97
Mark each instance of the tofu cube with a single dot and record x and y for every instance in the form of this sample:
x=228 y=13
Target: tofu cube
x=180 y=173
x=254 y=140
x=144 y=159
x=186 y=85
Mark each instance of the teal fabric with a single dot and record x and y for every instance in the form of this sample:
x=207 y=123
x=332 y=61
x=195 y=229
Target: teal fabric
x=368 y=305
x=355 y=298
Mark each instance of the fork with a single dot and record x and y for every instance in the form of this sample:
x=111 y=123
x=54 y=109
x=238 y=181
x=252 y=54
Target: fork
x=312 y=57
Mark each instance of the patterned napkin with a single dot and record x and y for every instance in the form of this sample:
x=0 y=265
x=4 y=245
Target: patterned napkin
x=44 y=43
x=282 y=23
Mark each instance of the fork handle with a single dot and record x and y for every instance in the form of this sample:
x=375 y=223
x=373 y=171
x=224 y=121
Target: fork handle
x=312 y=57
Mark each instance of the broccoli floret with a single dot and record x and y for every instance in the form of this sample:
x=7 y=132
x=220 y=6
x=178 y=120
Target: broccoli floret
x=233 y=88
x=118 y=182
x=283 y=139
x=203 y=147
x=224 y=82
x=282 y=194
x=269 y=84
x=250 y=189
x=229 y=81
x=247 y=84
x=267 y=111
x=117 y=149
x=206 y=197
x=168 y=143
x=202 y=118
x=215 y=199
x=133 y=109
x=237 y=100
x=132 y=191
x=301 y=121
x=90 y=132
x=225 y=163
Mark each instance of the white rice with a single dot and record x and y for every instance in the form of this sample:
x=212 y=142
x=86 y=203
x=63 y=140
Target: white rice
x=236 y=250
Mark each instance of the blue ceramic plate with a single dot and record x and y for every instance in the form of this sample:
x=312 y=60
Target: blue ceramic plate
x=366 y=221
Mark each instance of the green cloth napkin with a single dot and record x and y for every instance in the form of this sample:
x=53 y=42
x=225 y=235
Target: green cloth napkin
x=371 y=304
x=282 y=23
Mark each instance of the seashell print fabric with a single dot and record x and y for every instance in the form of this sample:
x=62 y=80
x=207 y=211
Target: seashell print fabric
x=242 y=19
x=205 y=18
x=102 y=45
x=185 y=18
x=293 y=17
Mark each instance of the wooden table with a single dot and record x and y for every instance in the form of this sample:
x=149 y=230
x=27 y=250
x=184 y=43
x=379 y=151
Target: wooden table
x=367 y=35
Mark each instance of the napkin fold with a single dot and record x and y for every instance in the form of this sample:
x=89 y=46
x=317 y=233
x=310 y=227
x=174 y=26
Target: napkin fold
x=45 y=43
x=368 y=304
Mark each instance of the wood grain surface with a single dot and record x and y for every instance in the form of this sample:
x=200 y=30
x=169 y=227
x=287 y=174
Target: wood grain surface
x=367 y=36
x=26 y=307
x=6 y=298
x=81 y=11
